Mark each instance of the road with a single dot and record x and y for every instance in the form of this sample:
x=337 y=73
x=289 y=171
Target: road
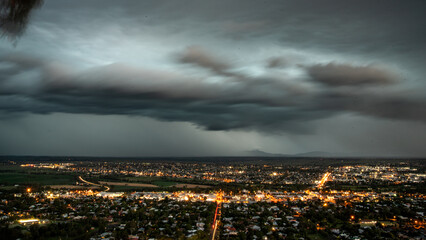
x=95 y=184
x=217 y=215
x=324 y=179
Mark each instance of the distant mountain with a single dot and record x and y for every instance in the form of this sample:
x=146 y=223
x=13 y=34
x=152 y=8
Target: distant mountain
x=259 y=153
x=317 y=154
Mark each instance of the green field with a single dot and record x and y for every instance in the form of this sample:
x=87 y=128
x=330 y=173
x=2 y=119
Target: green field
x=10 y=178
x=125 y=188
x=161 y=183
x=14 y=174
x=151 y=180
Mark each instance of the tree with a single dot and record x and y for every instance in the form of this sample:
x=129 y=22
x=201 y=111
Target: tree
x=14 y=17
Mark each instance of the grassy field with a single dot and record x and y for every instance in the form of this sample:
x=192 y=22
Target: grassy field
x=185 y=185
x=163 y=183
x=12 y=168
x=10 y=178
x=157 y=181
x=14 y=174
x=116 y=188
x=127 y=184
x=152 y=180
x=11 y=175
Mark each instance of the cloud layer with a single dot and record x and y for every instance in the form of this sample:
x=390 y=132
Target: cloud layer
x=288 y=76
x=229 y=101
x=341 y=75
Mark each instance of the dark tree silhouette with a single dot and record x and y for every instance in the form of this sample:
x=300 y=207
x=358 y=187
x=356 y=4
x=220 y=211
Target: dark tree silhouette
x=14 y=17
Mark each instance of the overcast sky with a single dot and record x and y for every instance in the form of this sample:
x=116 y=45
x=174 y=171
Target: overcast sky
x=185 y=78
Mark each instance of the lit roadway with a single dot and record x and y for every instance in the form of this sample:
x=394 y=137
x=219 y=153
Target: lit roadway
x=81 y=179
x=324 y=179
x=217 y=214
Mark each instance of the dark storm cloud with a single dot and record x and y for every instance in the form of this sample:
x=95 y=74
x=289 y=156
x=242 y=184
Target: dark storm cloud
x=333 y=74
x=276 y=62
x=120 y=89
x=198 y=56
x=238 y=102
x=387 y=106
x=323 y=68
